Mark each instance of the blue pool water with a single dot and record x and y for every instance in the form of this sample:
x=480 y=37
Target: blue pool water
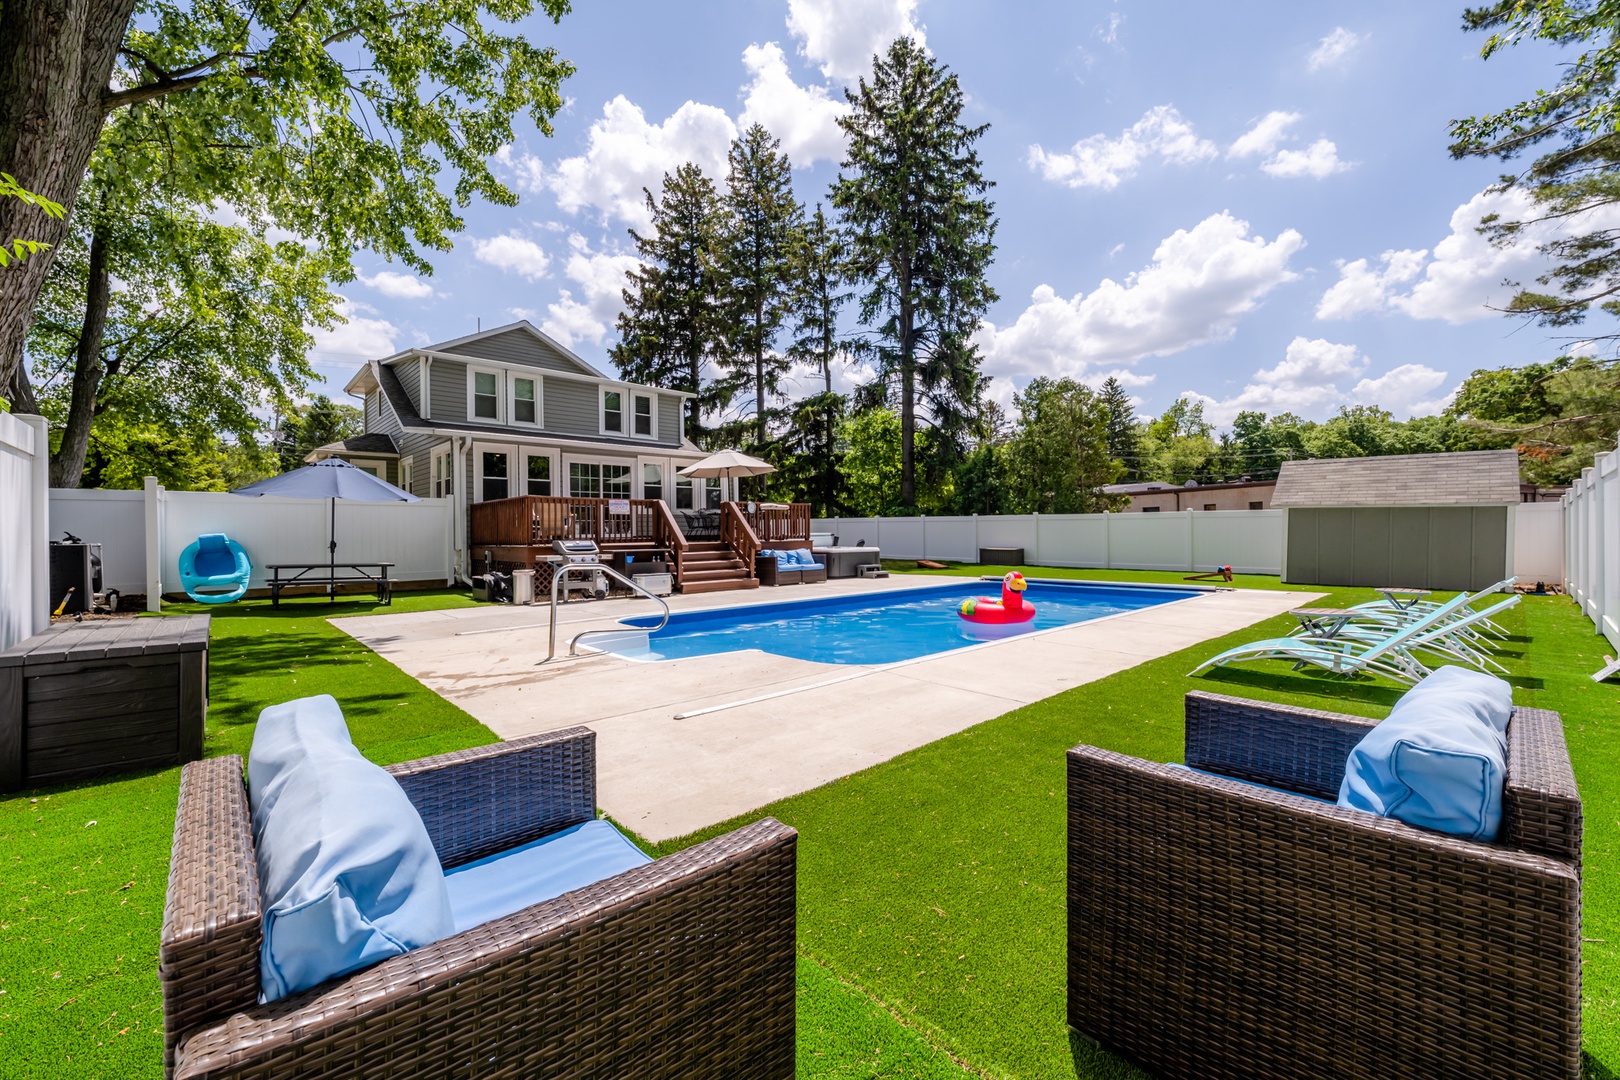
x=880 y=628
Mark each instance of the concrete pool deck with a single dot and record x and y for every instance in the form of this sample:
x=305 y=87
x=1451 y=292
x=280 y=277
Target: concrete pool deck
x=683 y=744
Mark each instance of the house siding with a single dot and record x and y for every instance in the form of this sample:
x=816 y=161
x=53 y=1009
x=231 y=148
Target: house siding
x=419 y=448
x=669 y=419
x=409 y=373
x=380 y=419
x=449 y=387
x=572 y=408
x=519 y=347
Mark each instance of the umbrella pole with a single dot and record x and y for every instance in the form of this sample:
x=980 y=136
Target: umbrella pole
x=331 y=556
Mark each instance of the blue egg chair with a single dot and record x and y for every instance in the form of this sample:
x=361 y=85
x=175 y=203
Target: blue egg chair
x=215 y=561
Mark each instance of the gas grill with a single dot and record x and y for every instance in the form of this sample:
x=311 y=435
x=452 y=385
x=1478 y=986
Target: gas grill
x=582 y=551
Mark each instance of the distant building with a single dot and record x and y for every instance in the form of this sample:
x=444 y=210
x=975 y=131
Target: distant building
x=1156 y=496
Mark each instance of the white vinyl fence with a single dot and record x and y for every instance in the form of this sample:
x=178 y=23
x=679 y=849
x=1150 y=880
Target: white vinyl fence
x=24 y=569
x=143 y=532
x=1249 y=541
x=1538 y=542
x=1592 y=544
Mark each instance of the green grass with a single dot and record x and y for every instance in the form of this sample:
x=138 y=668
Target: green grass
x=930 y=887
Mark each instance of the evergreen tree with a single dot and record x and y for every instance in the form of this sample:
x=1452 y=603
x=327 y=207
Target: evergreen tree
x=1124 y=444
x=807 y=456
x=758 y=244
x=818 y=269
x=920 y=238
x=672 y=325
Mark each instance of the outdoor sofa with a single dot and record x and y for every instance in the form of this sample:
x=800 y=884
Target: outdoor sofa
x=680 y=967
x=784 y=568
x=1218 y=928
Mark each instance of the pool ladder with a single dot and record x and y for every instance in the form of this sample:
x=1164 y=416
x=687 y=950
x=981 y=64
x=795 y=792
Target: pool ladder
x=596 y=568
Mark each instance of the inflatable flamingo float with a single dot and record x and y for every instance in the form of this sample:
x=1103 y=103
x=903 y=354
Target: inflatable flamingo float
x=1009 y=609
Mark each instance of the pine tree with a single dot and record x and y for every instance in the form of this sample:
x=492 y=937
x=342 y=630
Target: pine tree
x=920 y=237
x=1124 y=442
x=818 y=269
x=672 y=325
x=761 y=235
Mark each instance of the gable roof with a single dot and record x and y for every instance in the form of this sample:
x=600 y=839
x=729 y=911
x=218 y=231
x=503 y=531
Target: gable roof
x=523 y=326
x=375 y=444
x=1463 y=478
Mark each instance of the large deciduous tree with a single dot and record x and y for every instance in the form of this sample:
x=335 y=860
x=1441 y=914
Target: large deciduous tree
x=1059 y=462
x=759 y=238
x=920 y=238
x=331 y=118
x=1577 y=172
x=672 y=326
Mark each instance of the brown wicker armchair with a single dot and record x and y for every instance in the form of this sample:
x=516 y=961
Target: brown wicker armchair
x=1218 y=929
x=682 y=967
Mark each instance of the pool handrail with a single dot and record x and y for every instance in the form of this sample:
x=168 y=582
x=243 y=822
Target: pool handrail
x=556 y=582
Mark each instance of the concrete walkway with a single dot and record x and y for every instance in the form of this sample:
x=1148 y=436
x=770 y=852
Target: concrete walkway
x=682 y=744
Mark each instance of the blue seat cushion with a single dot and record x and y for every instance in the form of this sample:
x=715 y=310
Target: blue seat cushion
x=498 y=885
x=1440 y=760
x=347 y=873
x=214 y=556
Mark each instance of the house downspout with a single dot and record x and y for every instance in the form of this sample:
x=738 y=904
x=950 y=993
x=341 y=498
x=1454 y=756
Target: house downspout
x=462 y=445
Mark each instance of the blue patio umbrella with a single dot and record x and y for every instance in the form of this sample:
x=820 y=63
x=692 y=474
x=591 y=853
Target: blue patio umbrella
x=334 y=479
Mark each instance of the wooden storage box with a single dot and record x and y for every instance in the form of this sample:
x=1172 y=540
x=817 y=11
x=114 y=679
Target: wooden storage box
x=83 y=699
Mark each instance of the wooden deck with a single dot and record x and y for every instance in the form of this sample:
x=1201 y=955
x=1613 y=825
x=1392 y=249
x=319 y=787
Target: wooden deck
x=518 y=531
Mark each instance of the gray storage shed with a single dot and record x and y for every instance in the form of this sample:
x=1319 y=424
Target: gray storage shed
x=1427 y=521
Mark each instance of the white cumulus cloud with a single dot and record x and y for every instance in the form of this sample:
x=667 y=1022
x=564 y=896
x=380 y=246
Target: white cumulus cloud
x=1362 y=287
x=1199 y=283
x=514 y=254
x=1317 y=160
x=842 y=36
x=600 y=278
x=805 y=118
x=1314 y=379
x=1333 y=50
x=400 y=286
x=365 y=335
x=1265 y=136
x=1101 y=162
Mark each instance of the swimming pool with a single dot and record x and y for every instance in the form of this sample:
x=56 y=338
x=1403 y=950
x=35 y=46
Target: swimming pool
x=878 y=628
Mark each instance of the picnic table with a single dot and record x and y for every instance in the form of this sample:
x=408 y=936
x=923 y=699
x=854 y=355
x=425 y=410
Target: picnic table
x=330 y=575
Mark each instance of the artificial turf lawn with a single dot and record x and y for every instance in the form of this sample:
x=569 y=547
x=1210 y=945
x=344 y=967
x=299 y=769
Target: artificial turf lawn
x=931 y=887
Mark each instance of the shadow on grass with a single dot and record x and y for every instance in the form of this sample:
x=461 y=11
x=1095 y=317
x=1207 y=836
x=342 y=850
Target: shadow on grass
x=1091 y=1059
x=1593 y=1069
x=1333 y=687
x=1526 y=682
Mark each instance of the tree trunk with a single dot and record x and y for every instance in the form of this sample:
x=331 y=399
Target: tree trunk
x=56 y=58
x=760 y=430
x=908 y=408
x=67 y=465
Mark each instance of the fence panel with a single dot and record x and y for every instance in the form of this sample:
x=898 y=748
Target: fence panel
x=1538 y=541
x=1070 y=540
x=1012 y=530
x=1151 y=541
x=1592 y=544
x=1249 y=541
x=949 y=538
x=113 y=519
x=23 y=521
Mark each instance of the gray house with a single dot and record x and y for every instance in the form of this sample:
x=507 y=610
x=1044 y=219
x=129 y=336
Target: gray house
x=1430 y=521
x=510 y=412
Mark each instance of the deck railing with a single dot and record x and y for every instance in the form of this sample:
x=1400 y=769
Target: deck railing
x=737 y=534
x=778 y=523
x=537 y=520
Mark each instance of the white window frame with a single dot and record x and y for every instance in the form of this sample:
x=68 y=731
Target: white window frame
x=562 y=478
x=652 y=415
x=473 y=371
x=559 y=481
x=512 y=399
x=665 y=471
x=407 y=466
x=478 y=452
x=442 y=480
x=602 y=410
x=380 y=464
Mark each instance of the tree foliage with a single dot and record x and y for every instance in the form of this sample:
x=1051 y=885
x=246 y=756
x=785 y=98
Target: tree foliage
x=305 y=427
x=919 y=236
x=1577 y=171
x=1558 y=415
x=1058 y=461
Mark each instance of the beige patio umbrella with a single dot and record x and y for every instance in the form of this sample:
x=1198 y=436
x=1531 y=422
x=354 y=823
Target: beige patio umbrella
x=728 y=463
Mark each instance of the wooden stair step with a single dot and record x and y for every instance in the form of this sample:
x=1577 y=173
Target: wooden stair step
x=713 y=574
x=719 y=585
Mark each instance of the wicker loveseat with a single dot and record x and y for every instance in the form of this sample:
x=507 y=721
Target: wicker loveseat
x=682 y=967
x=1220 y=929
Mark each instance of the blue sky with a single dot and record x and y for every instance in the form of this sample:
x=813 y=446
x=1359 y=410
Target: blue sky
x=1251 y=203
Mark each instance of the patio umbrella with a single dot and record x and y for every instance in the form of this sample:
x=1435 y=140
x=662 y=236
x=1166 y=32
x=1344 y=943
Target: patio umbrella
x=334 y=479
x=728 y=463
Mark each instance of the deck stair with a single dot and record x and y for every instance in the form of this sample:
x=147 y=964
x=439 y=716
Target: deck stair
x=712 y=566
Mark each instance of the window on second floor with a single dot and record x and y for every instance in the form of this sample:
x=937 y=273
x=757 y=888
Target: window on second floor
x=486 y=395
x=525 y=401
x=644 y=416
x=612 y=412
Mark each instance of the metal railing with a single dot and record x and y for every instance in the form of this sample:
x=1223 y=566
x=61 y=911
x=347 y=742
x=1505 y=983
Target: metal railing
x=596 y=568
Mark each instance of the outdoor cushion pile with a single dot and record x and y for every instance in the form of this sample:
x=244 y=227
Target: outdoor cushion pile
x=791 y=559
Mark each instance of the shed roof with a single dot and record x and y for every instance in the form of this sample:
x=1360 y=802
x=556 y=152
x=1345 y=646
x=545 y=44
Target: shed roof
x=1465 y=478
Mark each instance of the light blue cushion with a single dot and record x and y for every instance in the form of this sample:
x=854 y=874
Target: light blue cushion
x=500 y=884
x=346 y=869
x=1440 y=760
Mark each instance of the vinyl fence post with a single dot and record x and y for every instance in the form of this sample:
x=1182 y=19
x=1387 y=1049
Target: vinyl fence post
x=154 y=545
x=40 y=510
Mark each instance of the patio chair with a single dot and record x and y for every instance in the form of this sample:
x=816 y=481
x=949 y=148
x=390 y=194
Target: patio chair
x=215 y=561
x=1346 y=654
x=1219 y=928
x=1384 y=611
x=1452 y=638
x=680 y=967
